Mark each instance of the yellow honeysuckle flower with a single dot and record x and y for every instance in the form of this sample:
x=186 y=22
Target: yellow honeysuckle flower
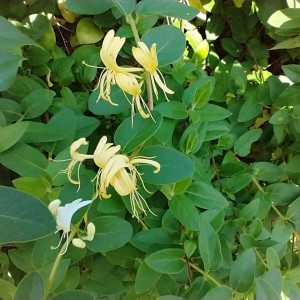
x=76 y=158
x=129 y=84
x=111 y=47
x=148 y=59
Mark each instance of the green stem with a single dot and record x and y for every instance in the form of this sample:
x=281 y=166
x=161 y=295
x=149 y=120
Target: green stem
x=260 y=258
x=56 y=263
x=131 y=22
x=205 y=275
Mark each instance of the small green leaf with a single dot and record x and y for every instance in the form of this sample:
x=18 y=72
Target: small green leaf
x=172 y=110
x=166 y=261
x=170 y=43
x=31 y=287
x=87 y=32
x=268 y=286
x=93 y=7
x=174 y=165
x=209 y=247
x=34 y=186
x=242 y=273
x=243 y=144
x=111 y=233
x=74 y=295
x=293 y=213
x=36 y=103
x=145 y=278
x=11 y=134
x=125 y=7
x=206 y=196
x=292 y=72
x=184 y=210
x=266 y=171
x=11 y=109
x=237 y=79
x=23 y=218
x=133 y=132
x=222 y=292
x=287 y=18
x=7 y=289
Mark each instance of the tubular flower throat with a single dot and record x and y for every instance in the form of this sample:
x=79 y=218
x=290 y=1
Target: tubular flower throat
x=111 y=47
x=148 y=59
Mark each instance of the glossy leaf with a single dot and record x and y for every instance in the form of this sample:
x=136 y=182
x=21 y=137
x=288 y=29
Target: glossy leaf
x=242 y=273
x=111 y=233
x=166 y=261
x=32 y=220
x=170 y=43
x=174 y=166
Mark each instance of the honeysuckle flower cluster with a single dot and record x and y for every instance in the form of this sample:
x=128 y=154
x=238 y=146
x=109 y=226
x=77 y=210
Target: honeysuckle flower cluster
x=115 y=169
x=63 y=216
x=126 y=77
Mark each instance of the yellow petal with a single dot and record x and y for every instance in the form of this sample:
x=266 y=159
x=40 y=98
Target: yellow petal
x=74 y=150
x=123 y=183
x=143 y=160
x=128 y=83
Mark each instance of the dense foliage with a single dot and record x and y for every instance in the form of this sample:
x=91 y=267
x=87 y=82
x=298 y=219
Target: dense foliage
x=149 y=149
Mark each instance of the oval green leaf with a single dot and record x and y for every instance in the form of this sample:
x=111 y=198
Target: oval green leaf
x=174 y=165
x=23 y=218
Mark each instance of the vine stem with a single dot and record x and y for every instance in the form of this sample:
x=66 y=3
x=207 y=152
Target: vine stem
x=131 y=22
x=56 y=263
x=204 y=274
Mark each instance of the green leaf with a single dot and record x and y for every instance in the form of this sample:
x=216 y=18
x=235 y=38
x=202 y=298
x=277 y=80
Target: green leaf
x=266 y=171
x=291 y=43
x=209 y=247
x=170 y=8
x=184 y=210
x=269 y=286
x=125 y=7
x=174 y=165
x=282 y=193
x=87 y=32
x=289 y=96
x=292 y=72
x=111 y=233
x=74 y=295
x=242 y=273
x=166 y=261
x=172 y=110
x=23 y=218
x=34 y=186
x=11 y=134
x=293 y=213
x=133 y=132
x=7 y=289
x=167 y=285
x=155 y=239
x=222 y=292
x=211 y=112
x=36 y=103
x=243 y=144
x=31 y=287
x=287 y=18
x=9 y=63
x=92 y=7
x=110 y=286
x=145 y=278
x=215 y=130
x=24 y=160
x=42 y=133
x=11 y=109
x=237 y=79
x=170 y=43
x=206 y=196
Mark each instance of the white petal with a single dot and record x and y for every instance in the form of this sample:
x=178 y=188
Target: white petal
x=79 y=243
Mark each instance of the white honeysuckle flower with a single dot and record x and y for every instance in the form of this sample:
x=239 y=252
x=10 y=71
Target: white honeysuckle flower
x=63 y=215
x=148 y=59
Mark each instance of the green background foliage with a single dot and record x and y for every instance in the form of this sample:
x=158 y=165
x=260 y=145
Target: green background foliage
x=226 y=202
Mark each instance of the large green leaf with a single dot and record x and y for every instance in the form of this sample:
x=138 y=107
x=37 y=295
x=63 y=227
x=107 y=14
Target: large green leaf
x=175 y=166
x=91 y=7
x=170 y=8
x=269 y=286
x=31 y=287
x=166 y=261
x=125 y=7
x=287 y=18
x=170 y=43
x=111 y=233
x=242 y=273
x=133 y=132
x=11 y=134
x=23 y=218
